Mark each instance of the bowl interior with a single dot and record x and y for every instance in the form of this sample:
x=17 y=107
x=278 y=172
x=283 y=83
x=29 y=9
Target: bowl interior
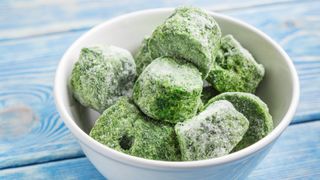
x=127 y=32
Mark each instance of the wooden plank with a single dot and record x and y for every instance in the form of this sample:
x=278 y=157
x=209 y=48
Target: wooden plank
x=296 y=155
x=27 y=69
x=26 y=18
x=79 y=168
x=33 y=135
x=31 y=130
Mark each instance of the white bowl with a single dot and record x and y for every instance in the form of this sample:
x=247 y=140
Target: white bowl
x=279 y=89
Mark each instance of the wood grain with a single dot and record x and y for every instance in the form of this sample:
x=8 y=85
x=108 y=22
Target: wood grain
x=31 y=128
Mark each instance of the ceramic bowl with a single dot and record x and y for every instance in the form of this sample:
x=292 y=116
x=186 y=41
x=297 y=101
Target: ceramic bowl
x=279 y=89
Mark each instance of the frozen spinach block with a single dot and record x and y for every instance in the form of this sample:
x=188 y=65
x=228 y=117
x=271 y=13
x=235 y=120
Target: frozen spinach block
x=168 y=90
x=235 y=69
x=143 y=56
x=255 y=110
x=190 y=34
x=212 y=133
x=102 y=75
x=124 y=128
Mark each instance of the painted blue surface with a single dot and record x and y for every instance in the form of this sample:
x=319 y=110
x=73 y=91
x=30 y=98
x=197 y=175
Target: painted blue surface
x=27 y=87
x=79 y=168
x=35 y=34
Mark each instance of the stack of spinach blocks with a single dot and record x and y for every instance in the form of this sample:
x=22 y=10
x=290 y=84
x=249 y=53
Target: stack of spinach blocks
x=155 y=105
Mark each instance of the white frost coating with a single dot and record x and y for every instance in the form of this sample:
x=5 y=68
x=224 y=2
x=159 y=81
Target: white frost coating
x=213 y=133
x=217 y=109
x=202 y=23
x=240 y=49
x=105 y=73
x=179 y=74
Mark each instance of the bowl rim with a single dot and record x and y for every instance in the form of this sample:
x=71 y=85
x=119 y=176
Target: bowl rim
x=157 y=164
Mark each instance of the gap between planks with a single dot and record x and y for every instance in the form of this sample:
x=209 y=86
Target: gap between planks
x=44 y=162
x=245 y=7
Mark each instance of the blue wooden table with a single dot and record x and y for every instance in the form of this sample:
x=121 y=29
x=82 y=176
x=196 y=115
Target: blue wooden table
x=34 y=142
